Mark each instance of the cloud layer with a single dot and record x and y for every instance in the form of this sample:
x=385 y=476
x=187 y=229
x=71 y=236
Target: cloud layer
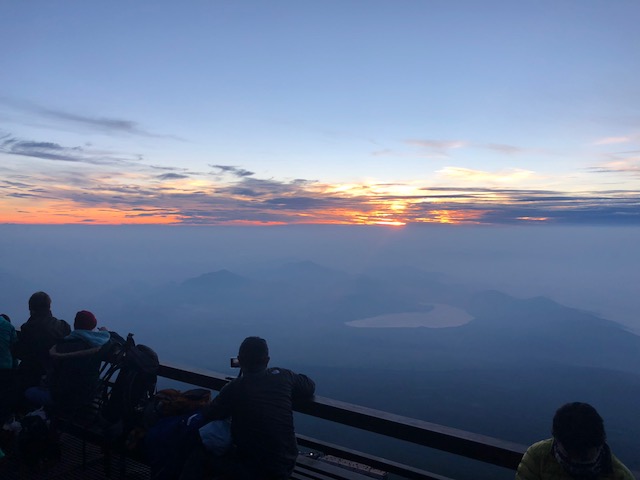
x=101 y=196
x=46 y=182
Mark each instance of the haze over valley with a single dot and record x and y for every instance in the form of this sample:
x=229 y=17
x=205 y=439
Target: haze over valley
x=375 y=316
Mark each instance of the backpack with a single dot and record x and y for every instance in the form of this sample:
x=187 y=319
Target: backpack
x=36 y=442
x=171 y=402
x=135 y=368
x=169 y=439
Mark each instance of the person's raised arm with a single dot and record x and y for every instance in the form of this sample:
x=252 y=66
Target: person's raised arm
x=219 y=407
x=303 y=386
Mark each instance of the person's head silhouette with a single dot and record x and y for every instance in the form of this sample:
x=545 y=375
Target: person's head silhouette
x=253 y=354
x=40 y=304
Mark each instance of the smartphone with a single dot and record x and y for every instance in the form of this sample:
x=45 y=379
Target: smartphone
x=234 y=362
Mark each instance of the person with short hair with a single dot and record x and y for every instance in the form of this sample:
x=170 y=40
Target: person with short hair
x=260 y=405
x=577 y=450
x=36 y=337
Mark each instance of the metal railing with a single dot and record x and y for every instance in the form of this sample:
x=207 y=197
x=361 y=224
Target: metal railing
x=459 y=442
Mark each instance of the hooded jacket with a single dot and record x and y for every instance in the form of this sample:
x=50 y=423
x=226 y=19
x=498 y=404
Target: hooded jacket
x=76 y=367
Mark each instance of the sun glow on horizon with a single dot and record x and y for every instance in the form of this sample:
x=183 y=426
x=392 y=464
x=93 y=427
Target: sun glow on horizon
x=533 y=219
x=272 y=202
x=452 y=217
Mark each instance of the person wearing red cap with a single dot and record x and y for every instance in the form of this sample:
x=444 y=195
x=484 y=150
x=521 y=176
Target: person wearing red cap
x=85 y=320
x=76 y=365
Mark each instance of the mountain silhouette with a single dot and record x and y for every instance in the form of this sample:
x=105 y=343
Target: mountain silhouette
x=216 y=280
x=516 y=354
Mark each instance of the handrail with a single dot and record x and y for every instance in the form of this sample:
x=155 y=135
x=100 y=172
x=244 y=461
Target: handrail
x=478 y=447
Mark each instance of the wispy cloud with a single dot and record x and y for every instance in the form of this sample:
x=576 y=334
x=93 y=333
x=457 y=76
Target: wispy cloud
x=235 y=171
x=467 y=174
x=629 y=165
x=505 y=149
x=53 y=151
x=438 y=145
x=613 y=140
x=625 y=162
x=383 y=153
x=172 y=176
x=427 y=148
x=445 y=149
x=104 y=125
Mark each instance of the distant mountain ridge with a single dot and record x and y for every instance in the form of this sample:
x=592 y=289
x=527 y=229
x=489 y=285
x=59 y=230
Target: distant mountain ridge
x=219 y=279
x=307 y=295
x=503 y=373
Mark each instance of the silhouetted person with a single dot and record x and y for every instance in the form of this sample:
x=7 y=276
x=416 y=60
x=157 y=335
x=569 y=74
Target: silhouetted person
x=578 y=449
x=75 y=366
x=36 y=337
x=8 y=338
x=260 y=405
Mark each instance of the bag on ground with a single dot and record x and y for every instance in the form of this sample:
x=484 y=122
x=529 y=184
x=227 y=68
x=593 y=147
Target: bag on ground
x=37 y=443
x=216 y=436
x=171 y=402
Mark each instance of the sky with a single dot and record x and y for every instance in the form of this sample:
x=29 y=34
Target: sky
x=332 y=112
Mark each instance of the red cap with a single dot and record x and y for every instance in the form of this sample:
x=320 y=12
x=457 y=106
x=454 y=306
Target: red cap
x=85 y=320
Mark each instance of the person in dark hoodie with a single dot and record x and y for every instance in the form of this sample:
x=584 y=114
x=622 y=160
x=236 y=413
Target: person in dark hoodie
x=36 y=337
x=75 y=366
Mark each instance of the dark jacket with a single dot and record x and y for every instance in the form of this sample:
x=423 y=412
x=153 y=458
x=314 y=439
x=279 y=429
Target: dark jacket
x=261 y=409
x=35 y=339
x=8 y=338
x=75 y=368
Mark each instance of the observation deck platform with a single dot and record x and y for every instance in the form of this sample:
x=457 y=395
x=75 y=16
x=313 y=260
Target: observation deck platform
x=70 y=465
x=478 y=448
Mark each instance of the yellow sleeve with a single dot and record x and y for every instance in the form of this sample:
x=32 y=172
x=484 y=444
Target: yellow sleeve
x=529 y=467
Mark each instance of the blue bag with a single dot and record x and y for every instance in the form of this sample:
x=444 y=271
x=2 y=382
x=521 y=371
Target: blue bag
x=216 y=436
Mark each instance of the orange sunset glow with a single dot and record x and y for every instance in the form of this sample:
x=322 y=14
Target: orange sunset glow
x=203 y=201
x=389 y=214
